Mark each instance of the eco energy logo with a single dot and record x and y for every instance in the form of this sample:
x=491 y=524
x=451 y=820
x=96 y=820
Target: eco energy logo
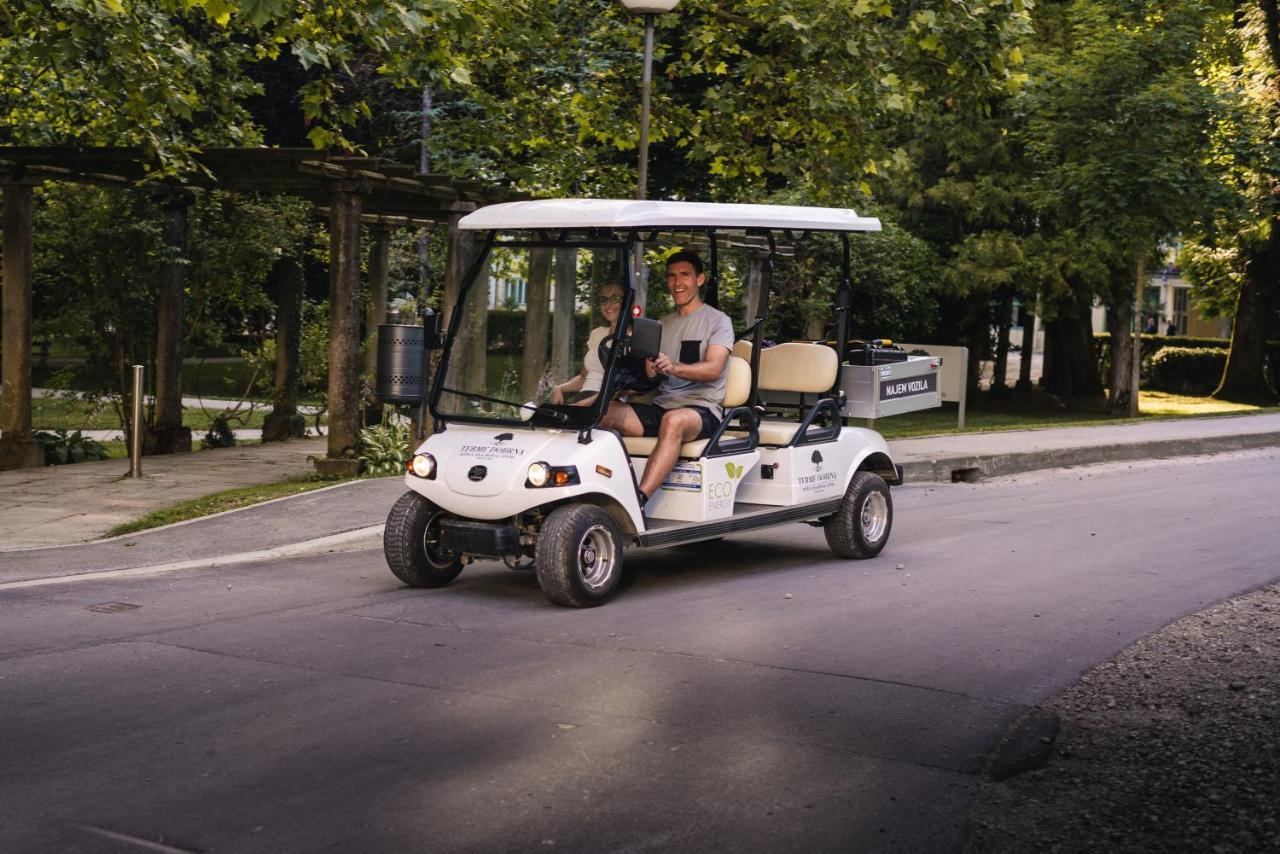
x=720 y=495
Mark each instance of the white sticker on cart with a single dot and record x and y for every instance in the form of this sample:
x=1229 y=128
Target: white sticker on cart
x=686 y=476
x=886 y=372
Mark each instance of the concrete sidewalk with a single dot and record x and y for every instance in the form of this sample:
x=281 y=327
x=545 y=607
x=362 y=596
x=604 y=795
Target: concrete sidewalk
x=75 y=504
x=56 y=505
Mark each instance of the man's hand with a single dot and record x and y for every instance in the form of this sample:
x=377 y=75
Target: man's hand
x=557 y=396
x=662 y=364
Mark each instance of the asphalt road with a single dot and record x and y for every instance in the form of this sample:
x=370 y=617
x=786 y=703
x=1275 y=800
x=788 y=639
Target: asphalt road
x=753 y=695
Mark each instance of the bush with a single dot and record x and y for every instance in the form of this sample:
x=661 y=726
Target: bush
x=220 y=434
x=384 y=449
x=1188 y=370
x=62 y=449
x=1152 y=345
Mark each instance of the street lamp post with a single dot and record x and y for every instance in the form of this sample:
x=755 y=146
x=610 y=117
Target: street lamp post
x=649 y=9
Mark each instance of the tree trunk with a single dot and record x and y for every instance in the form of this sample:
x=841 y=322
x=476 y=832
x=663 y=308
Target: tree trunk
x=537 y=320
x=1244 y=377
x=1028 y=322
x=284 y=422
x=1003 y=321
x=1124 y=324
x=1070 y=360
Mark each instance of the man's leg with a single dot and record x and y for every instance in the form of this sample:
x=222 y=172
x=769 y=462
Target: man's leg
x=678 y=426
x=621 y=417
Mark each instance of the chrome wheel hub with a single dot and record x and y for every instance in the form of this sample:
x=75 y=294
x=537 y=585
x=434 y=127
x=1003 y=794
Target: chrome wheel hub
x=596 y=556
x=874 y=517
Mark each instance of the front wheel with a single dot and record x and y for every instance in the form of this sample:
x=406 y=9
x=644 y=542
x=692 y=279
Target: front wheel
x=578 y=558
x=860 y=528
x=411 y=544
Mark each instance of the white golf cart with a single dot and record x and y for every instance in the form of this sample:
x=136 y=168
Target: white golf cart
x=505 y=476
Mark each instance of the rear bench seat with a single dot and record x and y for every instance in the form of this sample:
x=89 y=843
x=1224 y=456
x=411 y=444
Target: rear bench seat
x=736 y=391
x=794 y=367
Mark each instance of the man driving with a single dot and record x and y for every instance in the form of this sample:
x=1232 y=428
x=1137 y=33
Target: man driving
x=694 y=364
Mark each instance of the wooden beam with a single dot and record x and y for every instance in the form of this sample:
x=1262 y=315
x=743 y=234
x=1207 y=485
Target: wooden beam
x=17 y=448
x=344 y=329
x=169 y=434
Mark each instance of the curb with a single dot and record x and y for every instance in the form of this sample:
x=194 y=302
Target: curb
x=360 y=538
x=968 y=468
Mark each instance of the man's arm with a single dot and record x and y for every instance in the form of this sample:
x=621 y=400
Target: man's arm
x=708 y=370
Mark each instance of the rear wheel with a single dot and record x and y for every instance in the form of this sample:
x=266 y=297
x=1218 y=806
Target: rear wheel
x=860 y=528
x=579 y=556
x=411 y=544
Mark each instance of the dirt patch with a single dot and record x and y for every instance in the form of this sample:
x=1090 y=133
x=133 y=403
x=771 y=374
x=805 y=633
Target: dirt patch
x=1172 y=746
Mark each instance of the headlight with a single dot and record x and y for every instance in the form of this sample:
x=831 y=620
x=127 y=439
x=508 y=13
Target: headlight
x=539 y=474
x=423 y=465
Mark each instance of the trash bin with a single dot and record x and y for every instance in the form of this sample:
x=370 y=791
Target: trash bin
x=402 y=363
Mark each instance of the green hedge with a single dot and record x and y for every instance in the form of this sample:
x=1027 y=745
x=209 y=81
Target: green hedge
x=1152 y=345
x=1187 y=370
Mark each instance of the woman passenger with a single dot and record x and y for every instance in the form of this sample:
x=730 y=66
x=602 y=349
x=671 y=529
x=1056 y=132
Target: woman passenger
x=582 y=388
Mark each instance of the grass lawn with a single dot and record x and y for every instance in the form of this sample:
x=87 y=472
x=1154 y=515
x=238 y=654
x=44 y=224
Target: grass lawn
x=60 y=413
x=218 y=502
x=987 y=414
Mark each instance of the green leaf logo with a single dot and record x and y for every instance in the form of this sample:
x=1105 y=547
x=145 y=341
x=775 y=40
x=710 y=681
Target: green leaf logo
x=735 y=471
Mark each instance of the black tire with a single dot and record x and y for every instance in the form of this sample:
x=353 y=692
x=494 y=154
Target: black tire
x=578 y=558
x=410 y=543
x=860 y=528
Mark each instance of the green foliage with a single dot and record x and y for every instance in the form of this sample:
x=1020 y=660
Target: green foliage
x=384 y=449
x=101 y=255
x=62 y=448
x=313 y=356
x=220 y=434
x=1187 y=370
x=172 y=75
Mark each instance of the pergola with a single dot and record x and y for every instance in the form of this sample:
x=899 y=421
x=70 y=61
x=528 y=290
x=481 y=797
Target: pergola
x=350 y=191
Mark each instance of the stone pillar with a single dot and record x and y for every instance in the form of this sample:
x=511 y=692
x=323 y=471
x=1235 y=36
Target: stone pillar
x=379 y=274
x=344 y=334
x=751 y=299
x=460 y=249
x=537 y=321
x=168 y=436
x=17 y=449
x=284 y=422
x=566 y=279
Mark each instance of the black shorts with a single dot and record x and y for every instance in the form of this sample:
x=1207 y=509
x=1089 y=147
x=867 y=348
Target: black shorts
x=650 y=416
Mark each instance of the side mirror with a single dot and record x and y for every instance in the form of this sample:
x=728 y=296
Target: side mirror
x=432 y=329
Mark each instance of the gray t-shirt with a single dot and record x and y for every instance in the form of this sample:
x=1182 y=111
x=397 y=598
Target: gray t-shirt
x=685 y=339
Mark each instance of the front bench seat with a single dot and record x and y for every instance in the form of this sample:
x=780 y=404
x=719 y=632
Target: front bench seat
x=736 y=391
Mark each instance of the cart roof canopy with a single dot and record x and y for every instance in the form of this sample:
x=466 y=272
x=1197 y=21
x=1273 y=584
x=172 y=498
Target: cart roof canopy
x=626 y=214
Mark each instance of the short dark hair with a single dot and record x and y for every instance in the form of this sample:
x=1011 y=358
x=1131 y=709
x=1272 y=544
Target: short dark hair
x=689 y=256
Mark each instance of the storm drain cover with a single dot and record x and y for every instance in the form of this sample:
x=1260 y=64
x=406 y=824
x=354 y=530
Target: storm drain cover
x=112 y=607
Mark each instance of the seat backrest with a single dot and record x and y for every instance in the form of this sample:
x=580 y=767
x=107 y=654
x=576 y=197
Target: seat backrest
x=799 y=367
x=738 y=386
x=742 y=349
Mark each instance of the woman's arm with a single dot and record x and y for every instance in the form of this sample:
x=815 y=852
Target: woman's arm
x=568 y=387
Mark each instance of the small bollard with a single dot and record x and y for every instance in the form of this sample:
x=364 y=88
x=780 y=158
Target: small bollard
x=135 y=440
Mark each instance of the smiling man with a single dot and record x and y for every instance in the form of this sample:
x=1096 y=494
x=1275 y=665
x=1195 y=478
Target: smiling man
x=694 y=364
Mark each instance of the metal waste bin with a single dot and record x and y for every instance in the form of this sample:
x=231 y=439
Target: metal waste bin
x=402 y=363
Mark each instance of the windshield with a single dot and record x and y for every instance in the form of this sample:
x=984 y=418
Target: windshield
x=527 y=344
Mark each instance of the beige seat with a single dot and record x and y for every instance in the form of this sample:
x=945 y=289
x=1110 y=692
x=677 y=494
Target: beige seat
x=799 y=368
x=736 y=391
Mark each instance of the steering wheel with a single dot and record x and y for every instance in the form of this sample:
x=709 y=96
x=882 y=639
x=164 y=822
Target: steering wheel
x=628 y=373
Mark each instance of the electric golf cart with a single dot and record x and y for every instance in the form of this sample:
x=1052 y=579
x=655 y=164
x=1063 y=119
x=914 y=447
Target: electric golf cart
x=507 y=475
